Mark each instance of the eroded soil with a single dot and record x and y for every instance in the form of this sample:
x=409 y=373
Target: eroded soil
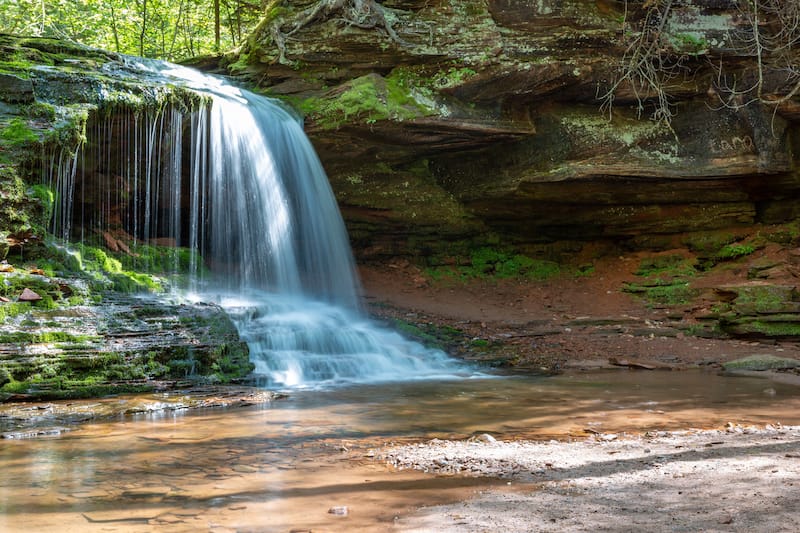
x=569 y=321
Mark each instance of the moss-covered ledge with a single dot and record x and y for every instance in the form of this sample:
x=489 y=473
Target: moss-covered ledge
x=50 y=90
x=128 y=344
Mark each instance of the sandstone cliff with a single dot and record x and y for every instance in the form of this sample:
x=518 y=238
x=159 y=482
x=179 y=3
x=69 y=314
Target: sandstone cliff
x=552 y=123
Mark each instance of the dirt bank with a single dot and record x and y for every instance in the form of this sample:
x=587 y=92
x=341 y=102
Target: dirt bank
x=566 y=321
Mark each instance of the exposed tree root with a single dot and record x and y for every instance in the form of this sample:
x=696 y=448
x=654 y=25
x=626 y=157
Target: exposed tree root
x=363 y=14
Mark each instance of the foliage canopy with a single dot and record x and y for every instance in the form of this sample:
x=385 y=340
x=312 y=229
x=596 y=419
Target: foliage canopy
x=163 y=29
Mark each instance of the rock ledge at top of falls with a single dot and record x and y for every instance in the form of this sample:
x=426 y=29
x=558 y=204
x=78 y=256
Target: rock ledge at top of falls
x=457 y=119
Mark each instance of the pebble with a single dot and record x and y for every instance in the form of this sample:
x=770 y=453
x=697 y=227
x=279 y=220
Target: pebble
x=338 y=510
x=29 y=296
x=485 y=437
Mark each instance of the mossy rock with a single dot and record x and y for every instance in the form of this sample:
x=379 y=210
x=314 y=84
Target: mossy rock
x=130 y=344
x=765 y=299
x=367 y=99
x=762 y=362
x=781 y=326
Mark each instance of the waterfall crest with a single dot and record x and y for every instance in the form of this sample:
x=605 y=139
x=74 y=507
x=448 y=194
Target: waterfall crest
x=238 y=182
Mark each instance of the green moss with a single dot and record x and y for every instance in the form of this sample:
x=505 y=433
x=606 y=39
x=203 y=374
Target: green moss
x=689 y=43
x=18 y=337
x=162 y=260
x=761 y=362
x=17 y=133
x=492 y=263
x=229 y=367
x=46 y=196
x=671 y=293
x=777 y=326
x=763 y=299
x=69 y=127
x=367 y=100
x=708 y=243
x=59 y=389
x=452 y=77
x=108 y=270
x=41 y=110
x=734 y=251
x=430 y=334
x=130 y=282
x=785 y=234
x=428 y=82
x=12 y=309
x=13 y=284
x=672 y=265
x=665 y=280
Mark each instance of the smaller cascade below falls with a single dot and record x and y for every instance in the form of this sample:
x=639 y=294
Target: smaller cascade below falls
x=302 y=342
x=238 y=182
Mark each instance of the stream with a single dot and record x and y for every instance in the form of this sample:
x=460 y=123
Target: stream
x=293 y=464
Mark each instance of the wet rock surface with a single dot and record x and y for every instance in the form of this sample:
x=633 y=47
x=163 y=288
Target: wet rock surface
x=23 y=420
x=128 y=343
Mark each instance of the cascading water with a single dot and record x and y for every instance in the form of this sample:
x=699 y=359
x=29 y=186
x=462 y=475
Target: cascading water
x=260 y=212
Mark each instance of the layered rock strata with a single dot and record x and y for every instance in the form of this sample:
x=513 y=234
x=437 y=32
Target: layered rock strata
x=550 y=123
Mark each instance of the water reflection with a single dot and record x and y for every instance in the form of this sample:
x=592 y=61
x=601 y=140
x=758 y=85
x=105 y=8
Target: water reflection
x=283 y=465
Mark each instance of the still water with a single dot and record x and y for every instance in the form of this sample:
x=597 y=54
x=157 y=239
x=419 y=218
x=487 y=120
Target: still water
x=281 y=466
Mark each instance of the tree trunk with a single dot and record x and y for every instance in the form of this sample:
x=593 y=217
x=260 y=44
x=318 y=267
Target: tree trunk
x=216 y=26
x=144 y=28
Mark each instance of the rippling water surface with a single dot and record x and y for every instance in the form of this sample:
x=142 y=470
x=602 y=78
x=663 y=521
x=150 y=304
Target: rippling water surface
x=282 y=466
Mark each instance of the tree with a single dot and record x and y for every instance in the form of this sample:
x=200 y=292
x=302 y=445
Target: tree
x=216 y=26
x=164 y=29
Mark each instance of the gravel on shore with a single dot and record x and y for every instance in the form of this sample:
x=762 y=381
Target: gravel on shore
x=732 y=479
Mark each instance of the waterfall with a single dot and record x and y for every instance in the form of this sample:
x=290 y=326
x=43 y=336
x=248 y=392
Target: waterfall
x=238 y=182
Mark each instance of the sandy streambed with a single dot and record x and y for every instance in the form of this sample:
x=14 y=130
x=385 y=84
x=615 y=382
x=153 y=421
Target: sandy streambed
x=732 y=479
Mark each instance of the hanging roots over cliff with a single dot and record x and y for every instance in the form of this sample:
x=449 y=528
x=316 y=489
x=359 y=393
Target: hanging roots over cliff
x=767 y=30
x=364 y=14
x=648 y=66
x=772 y=37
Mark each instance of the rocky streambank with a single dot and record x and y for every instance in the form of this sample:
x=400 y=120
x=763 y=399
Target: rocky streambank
x=128 y=343
x=626 y=313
